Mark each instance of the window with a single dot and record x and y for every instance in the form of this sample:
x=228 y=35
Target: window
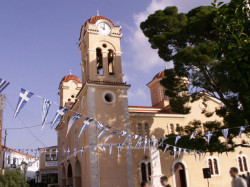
x=99 y=63
x=146 y=126
x=8 y=161
x=52 y=158
x=242 y=163
x=111 y=62
x=139 y=129
x=212 y=163
x=145 y=171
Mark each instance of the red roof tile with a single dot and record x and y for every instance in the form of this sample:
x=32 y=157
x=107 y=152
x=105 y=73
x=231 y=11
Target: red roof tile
x=94 y=19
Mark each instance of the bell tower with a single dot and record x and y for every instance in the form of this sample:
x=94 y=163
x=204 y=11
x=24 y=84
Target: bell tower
x=100 y=50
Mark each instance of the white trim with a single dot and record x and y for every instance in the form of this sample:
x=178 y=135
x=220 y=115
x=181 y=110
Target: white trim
x=241 y=156
x=158 y=109
x=218 y=165
x=186 y=171
x=156 y=115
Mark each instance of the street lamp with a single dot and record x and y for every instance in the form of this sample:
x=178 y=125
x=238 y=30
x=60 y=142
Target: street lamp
x=37 y=175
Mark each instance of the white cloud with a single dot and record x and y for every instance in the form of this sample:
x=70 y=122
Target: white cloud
x=138 y=93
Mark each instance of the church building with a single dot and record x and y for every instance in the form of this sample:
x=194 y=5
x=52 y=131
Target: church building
x=101 y=94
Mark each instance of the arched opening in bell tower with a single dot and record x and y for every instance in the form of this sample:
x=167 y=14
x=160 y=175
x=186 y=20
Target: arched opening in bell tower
x=99 y=61
x=111 y=62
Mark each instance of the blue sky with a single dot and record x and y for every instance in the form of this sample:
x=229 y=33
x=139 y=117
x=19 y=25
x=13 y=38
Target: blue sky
x=38 y=46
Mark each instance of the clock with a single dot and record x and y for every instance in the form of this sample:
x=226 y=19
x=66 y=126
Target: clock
x=104 y=28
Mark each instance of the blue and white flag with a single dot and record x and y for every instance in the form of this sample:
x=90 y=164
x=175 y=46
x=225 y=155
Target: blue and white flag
x=122 y=133
x=75 y=152
x=174 y=148
x=119 y=147
x=103 y=131
x=138 y=144
x=149 y=144
x=162 y=141
x=24 y=97
x=130 y=144
x=225 y=133
x=99 y=125
x=179 y=151
x=68 y=152
x=50 y=152
x=127 y=138
x=199 y=153
x=145 y=143
x=3 y=84
x=184 y=151
x=177 y=139
x=195 y=154
x=60 y=112
x=45 y=151
x=192 y=136
x=190 y=151
x=72 y=120
x=46 y=106
x=110 y=149
x=85 y=125
x=242 y=129
x=111 y=134
x=103 y=147
x=135 y=136
x=56 y=154
x=209 y=135
x=81 y=151
x=167 y=146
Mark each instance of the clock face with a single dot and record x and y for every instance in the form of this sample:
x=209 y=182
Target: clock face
x=104 y=28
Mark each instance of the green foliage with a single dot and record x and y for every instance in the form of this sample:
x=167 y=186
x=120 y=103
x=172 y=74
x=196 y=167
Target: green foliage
x=12 y=178
x=210 y=46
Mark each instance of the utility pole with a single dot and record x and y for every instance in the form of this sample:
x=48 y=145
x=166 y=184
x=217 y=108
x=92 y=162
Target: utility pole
x=1 y=127
x=5 y=137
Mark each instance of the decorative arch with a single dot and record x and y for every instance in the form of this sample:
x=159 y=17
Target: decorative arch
x=77 y=174
x=109 y=45
x=185 y=168
x=69 y=175
x=213 y=165
x=242 y=162
x=63 y=177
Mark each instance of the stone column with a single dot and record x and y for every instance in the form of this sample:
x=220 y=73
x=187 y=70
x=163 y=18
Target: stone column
x=105 y=63
x=155 y=166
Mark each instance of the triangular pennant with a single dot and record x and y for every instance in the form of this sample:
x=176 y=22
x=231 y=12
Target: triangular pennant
x=209 y=135
x=72 y=120
x=60 y=112
x=184 y=151
x=242 y=129
x=110 y=149
x=118 y=148
x=99 y=125
x=68 y=152
x=138 y=144
x=103 y=147
x=103 y=131
x=145 y=143
x=81 y=151
x=111 y=134
x=3 y=84
x=174 y=148
x=85 y=125
x=122 y=133
x=179 y=151
x=127 y=138
x=225 y=132
x=46 y=107
x=75 y=152
x=130 y=144
x=135 y=136
x=167 y=146
x=192 y=136
x=177 y=139
x=162 y=141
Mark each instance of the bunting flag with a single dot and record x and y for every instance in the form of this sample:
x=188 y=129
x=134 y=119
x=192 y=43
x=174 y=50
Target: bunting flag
x=192 y=136
x=56 y=154
x=130 y=144
x=103 y=147
x=103 y=131
x=85 y=125
x=242 y=129
x=179 y=152
x=60 y=112
x=110 y=149
x=46 y=106
x=111 y=134
x=145 y=143
x=24 y=97
x=162 y=141
x=167 y=146
x=209 y=135
x=199 y=153
x=177 y=139
x=190 y=151
x=149 y=144
x=99 y=125
x=184 y=151
x=174 y=148
x=119 y=147
x=122 y=133
x=72 y=120
x=127 y=138
x=138 y=144
x=68 y=152
x=135 y=136
x=225 y=133
x=50 y=153
x=75 y=152
x=3 y=84
x=45 y=151
x=81 y=151
x=195 y=154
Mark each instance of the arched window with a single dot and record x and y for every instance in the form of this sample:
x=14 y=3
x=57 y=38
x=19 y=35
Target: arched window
x=172 y=130
x=99 y=62
x=139 y=129
x=146 y=126
x=111 y=62
x=242 y=164
x=145 y=171
x=212 y=163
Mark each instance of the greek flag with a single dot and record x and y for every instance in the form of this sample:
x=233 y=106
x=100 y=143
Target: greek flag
x=195 y=154
x=127 y=138
x=130 y=144
x=103 y=147
x=145 y=143
x=225 y=133
x=75 y=152
x=85 y=125
x=135 y=136
x=81 y=151
x=68 y=152
x=184 y=151
x=190 y=151
x=72 y=120
x=24 y=97
x=174 y=148
x=3 y=84
x=57 y=154
x=179 y=151
x=199 y=153
x=177 y=139
x=242 y=129
x=46 y=106
x=192 y=136
x=103 y=131
x=119 y=147
x=111 y=134
x=45 y=151
x=167 y=146
x=110 y=149
x=209 y=135
x=122 y=133
x=99 y=125
x=138 y=144
x=162 y=141
x=50 y=153
x=60 y=112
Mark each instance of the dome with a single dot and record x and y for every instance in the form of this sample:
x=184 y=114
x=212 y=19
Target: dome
x=70 y=77
x=94 y=19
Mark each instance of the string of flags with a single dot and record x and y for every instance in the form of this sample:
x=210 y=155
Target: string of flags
x=26 y=95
